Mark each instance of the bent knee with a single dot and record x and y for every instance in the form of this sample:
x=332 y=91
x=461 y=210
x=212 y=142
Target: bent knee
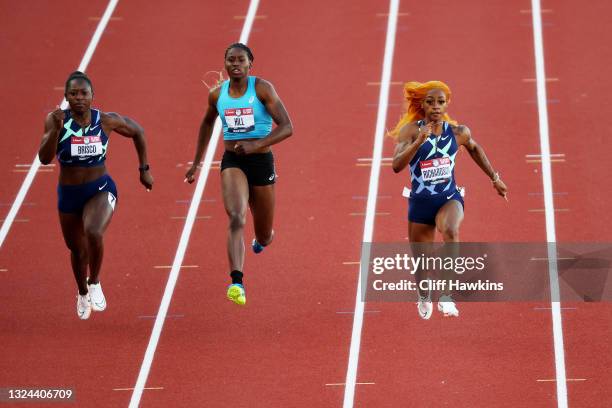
x=237 y=220
x=93 y=234
x=450 y=232
x=265 y=239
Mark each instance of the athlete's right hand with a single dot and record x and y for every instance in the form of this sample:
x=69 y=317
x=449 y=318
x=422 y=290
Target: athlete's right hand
x=424 y=133
x=58 y=117
x=190 y=175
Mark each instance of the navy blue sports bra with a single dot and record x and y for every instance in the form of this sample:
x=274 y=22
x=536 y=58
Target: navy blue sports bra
x=82 y=147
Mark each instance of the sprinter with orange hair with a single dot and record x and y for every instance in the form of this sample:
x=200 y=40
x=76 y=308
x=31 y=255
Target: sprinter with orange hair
x=428 y=141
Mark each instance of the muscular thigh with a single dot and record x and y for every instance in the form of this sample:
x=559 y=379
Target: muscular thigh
x=98 y=212
x=449 y=216
x=261 y=201
x=235 y=190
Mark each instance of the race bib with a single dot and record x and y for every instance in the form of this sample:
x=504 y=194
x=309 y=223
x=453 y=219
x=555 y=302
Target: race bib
x=240 y=120
x=86 y=146
x=436 y=170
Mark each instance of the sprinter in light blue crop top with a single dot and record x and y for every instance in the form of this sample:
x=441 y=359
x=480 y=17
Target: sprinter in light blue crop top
x=247 y=106
x=243 y=117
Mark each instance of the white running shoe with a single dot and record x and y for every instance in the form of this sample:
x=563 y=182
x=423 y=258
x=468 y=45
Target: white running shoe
x=83 y=306
x=425 y=307
x=447 y=306
x=98 y=301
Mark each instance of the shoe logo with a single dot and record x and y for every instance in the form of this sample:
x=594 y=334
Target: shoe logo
x=251 y=99
x=450 y=196
x=271 y=178
x=103 y=185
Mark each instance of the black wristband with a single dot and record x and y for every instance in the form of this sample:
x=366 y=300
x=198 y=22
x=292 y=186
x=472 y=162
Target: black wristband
x=144 y=168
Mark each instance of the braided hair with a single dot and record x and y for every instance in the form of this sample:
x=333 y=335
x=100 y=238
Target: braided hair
x=242 y=47
x=78 y=75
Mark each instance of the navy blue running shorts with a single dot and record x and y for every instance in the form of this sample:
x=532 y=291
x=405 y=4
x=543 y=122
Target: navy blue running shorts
x=423 y=210
x=72 y=198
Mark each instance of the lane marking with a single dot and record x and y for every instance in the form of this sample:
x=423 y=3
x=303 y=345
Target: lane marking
x=543 y=11
x=380 y=197
x=130 y=389
x=365 y=311
x=558 y=259
x=95 y=18
x=341 y=384
x=170 y=266
x=147 y=361
x=378 y=83
x=351 y=263
x=369 y=159
x=549 y=308
x=546 y=210
x=540 y=161
x=551 y=155
x=38 y=171
x=547 y=79
x=555 y=380
x=27 y=182
x=541 y=193
x=18 y=220
x=3 y=270
x=170 y=316
x=387 y=14
x=258 y=17
x=356 y=214
x=369 y=164
x=368 y=228
x=199 y=217
x=551 y=235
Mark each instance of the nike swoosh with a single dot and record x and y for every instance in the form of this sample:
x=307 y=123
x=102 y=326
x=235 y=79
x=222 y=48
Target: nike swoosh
x=271 y=177
x=103 y=185
x=251 y=99
x=444 y=138
x=450 y=196
x=93 y=127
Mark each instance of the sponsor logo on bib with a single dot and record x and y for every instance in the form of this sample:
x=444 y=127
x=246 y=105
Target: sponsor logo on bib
x=240 y=120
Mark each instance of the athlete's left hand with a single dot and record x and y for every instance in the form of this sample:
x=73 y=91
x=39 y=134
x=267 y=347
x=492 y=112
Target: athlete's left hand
x=146 y=179
x=501 y=188
x=243 y=147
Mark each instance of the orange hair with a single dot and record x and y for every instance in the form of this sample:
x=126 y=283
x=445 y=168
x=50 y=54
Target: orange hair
x=414 y=93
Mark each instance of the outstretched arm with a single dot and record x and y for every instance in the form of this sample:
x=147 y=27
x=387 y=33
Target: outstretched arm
x=206 y=129
x=268 y=96
x=53 y=126
x=129 y=128
x=464 y=138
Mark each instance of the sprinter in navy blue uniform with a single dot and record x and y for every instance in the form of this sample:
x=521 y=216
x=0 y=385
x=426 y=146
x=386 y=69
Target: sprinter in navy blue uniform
x=428 y=142
x=247 y=106
x=87 y=195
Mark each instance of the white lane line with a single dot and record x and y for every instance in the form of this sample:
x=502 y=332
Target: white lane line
x=341 y=384
x=170 y=266
x=27 y=182
x=569 y=379
x=147 y=361
x=551 y=237
x=130 y=389
x=368 y=229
